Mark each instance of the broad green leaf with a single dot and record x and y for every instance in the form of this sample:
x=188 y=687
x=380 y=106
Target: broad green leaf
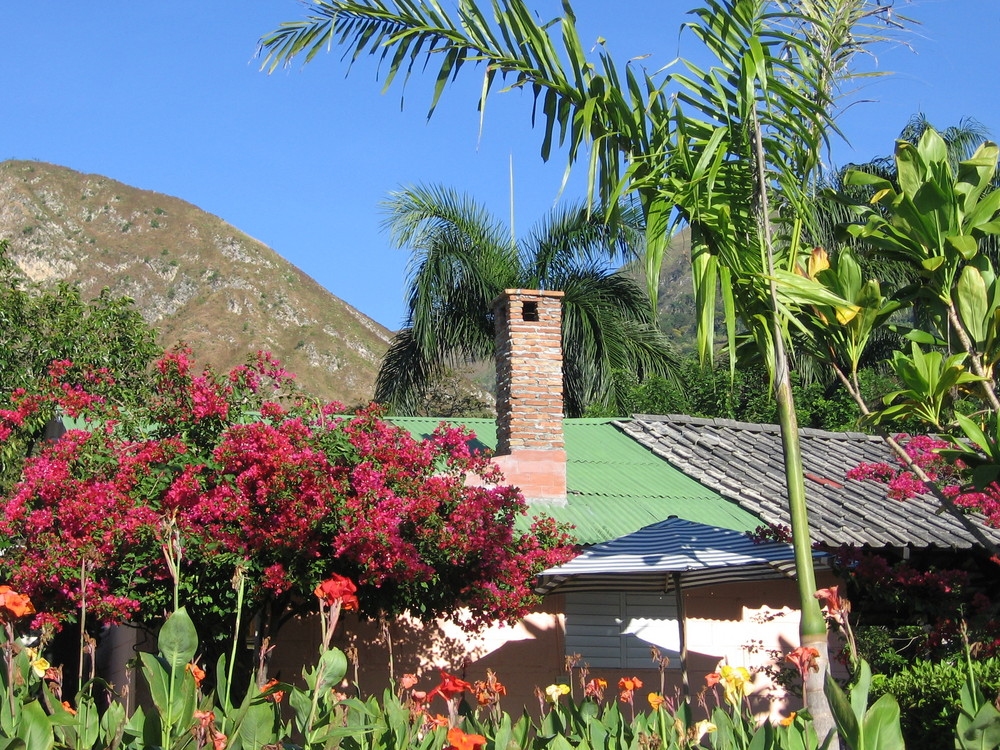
x=257 y=727
x=34 y=728
x=332 y=669
x=964 y=244
x=881 y=726
x=178 y=640
x=972 y=303
x=843 y=713
x=860 y=689
x=157 y=680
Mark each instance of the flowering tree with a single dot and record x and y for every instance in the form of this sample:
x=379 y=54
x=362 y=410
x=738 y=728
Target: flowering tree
x=221 y=474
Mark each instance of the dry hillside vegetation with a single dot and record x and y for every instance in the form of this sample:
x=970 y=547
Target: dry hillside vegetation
x=194 y=277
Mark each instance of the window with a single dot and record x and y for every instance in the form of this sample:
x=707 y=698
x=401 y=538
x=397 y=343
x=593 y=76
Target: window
x=614 y=630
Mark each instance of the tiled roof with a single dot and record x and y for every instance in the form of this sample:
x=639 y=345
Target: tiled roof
x=615 y=485
x=744 y=462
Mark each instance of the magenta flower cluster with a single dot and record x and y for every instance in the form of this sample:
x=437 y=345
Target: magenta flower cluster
x=244 y=472
x=902 y=484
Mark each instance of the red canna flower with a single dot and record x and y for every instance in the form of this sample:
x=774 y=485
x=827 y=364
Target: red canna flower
x=804 y=658
x=459 y=740
x=197 y=672
x=273 y=695
x=337 y=589
x=450 y=686
x=595 y=688
x=712 y=679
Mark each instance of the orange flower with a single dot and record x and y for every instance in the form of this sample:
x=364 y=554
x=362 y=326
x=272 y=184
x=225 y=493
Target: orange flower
x=804 y=658
x=711 y=680
x=459 y=740
x=629 y=683
x=450 y=686
x=787 y=721
x=273 y=695
x=337 y=589
x=655 y=700
x=197 y=672
x=407 y=681
x=13 y=605
x=437 y=720
x=65 y=704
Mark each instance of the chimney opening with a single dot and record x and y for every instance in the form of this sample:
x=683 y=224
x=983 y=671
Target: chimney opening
x=529 y=312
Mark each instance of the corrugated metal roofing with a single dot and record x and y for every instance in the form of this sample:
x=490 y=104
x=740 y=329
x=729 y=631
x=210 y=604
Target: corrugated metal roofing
x=615 y=485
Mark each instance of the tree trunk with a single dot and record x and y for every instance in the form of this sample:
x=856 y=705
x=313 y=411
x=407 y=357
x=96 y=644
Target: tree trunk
x=812 y=626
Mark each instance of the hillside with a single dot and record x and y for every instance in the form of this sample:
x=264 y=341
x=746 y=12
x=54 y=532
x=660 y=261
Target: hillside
x=194 y=277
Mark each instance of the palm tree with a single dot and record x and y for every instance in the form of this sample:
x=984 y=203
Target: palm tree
x=730 y=149
x=463 y=258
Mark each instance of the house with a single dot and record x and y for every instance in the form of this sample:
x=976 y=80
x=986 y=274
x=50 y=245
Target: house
x=612 y=477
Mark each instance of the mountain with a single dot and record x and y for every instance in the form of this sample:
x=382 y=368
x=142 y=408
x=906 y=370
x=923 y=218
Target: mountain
x=195 y=278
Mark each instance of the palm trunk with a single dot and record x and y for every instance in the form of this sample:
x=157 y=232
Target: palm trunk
x=812 y=625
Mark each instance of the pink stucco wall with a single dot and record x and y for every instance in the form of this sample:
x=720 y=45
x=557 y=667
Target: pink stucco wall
x=739 y=624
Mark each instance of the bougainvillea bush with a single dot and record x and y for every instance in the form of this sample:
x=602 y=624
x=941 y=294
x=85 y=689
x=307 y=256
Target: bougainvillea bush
x=234 y=473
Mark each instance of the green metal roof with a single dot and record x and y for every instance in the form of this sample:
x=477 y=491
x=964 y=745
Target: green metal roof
x=614 y=484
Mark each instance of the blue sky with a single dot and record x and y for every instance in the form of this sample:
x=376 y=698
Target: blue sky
x=167 y=97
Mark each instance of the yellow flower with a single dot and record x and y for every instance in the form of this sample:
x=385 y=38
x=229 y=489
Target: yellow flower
x=552 y=692
x=735 y=681
x=700 y=729
x=40 y=666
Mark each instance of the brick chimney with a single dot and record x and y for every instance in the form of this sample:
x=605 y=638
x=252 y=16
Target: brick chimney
x=530 y=447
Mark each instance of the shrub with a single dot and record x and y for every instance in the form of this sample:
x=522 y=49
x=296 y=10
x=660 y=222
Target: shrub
x=928 y=695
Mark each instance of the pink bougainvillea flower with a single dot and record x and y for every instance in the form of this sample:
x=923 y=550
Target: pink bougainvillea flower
x=338 y=589
x=450 y=686
x=459 y=740
x=13 y=605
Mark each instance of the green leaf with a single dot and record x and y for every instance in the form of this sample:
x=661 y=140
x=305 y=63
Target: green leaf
x=332 y=669
x=860 y=689
x=843 y=713
x=881 y=726
x=258 y=726
x=973 y=304
x=157 y=679
x=964 y=244
x=178 y=641
x=34 y=727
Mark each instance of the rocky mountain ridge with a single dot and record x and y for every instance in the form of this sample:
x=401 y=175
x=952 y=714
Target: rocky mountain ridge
x=195 y=278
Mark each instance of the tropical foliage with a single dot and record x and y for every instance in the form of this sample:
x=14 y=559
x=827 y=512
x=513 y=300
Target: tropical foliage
x=463 y=259
x=106 y=337
x=733 y=151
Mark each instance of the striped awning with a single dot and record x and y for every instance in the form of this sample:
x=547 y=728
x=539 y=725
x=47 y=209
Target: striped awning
x=650 y=558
